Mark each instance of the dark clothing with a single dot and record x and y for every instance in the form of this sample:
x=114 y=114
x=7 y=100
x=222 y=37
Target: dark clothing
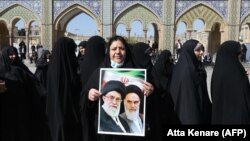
x=143 y=60
x=80 y=57
x=107 y=124
x=42 y=68
x=244 y=53
x=230 y=89
x=94 y=55
x=164 y=69
x=21 y=105
x=207 y=59
x=33 y=57
x=22 y=50
x=188 y=88
x=155 y=45
x=63 y=92
x=33 y=48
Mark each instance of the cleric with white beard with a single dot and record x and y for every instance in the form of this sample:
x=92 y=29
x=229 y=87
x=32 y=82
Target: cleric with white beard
x=112 y=95
x=131 y=115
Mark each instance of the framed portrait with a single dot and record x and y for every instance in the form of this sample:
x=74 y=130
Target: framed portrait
x=122 y=103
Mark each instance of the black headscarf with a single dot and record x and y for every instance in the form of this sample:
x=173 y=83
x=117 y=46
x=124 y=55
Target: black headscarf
x=63 y=92
x=141 y=55
x=164 y=68
x=80 y=56
x=128 y=63
x=17 y=62
x=94 y=55
x=4 y=65
x=83 y=44
x=230 y=89
x=142 y=59
x=188 y=87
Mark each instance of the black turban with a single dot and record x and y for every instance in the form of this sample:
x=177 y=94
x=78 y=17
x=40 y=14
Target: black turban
x=114 y=86
x=134 y=89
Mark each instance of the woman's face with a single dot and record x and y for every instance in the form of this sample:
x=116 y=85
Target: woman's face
x=199 y=51
x=117 y=51
x=81 y=50
x=12 y=57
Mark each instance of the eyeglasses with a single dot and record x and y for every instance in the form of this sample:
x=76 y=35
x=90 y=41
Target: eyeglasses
x=112 y=98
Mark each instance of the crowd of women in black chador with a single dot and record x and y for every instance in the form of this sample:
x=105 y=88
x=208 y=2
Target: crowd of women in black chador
x=22 y=108
x=176 y=94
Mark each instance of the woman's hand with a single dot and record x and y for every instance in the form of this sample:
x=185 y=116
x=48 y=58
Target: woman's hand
x=2 y=86
x=94 y=94
x=147 y=88
x=247 y=72
x=124 y=79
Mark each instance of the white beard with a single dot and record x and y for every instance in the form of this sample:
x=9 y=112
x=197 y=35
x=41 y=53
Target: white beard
x=111 y=111
x=132 y=115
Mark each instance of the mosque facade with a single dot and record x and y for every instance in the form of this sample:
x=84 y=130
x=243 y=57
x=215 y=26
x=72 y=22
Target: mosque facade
x=223 y=19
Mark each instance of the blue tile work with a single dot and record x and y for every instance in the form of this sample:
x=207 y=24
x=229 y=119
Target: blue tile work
x=34 y=5
x=245 y=8
x=92 y=5
x=155 y=6
x=220 y=5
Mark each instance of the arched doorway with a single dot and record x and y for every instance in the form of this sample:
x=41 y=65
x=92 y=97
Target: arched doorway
x=140 y=20
x=18 y=31
x=153 y=29
x=121 y=30
x=4 y=35
x=213 y=25
x=34 y=33
x=64 y=19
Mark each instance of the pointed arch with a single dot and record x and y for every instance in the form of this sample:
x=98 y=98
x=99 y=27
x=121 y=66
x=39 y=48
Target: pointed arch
x=69 y=13
x=134 y=5
x=122 y=23
x=198 y=4
x=245 y=19
x=137 y=11
x=203 y=11
x=27 y=14
x=15 y=19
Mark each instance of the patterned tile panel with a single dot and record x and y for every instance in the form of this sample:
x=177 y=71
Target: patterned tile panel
x=220 y=5
x=92 y=5
x=245 y=8
x=155 y=5
x=18 y=11
x=34 y=5
x=138 y=13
